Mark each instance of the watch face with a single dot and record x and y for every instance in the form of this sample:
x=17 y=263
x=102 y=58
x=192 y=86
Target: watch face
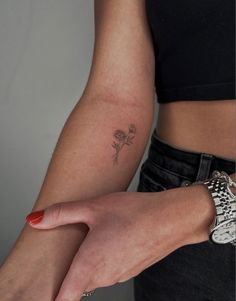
x=225 y=233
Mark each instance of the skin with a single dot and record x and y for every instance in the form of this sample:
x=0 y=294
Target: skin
x=142 y=223
x=122 y=139
x=197 y=126
x=84 y=158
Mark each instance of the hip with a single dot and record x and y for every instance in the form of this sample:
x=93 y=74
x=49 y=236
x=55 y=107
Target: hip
x=168 y=166
x=207 y=270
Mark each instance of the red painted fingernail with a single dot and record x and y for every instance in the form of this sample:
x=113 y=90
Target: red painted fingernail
x=35 y=217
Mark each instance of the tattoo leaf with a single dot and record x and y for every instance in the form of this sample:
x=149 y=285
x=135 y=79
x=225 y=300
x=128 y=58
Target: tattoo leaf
x=122 y=138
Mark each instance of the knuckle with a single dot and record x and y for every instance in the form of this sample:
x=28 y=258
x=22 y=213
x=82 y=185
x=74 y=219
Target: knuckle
x=56 y=212
x=92 y=212
x=91 y=207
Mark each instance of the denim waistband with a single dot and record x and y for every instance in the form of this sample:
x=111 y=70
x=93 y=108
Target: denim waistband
x=186 y=162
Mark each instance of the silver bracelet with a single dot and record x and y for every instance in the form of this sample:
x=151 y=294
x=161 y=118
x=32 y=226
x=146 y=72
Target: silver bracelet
x=224 y=228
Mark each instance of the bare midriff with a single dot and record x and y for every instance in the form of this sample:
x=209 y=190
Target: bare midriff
x=201 y=126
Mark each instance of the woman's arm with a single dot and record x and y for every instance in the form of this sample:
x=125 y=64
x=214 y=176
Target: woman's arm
x=119 y=93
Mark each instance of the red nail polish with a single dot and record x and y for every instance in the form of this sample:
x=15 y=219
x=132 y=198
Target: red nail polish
x=35 y=217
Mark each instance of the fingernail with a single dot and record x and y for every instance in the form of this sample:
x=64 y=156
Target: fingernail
x=35 y=217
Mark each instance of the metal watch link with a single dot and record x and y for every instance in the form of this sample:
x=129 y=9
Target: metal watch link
x=224 y=226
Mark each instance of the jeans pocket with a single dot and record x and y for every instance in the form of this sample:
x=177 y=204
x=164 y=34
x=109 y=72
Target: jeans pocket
x=156 y=178
x=147 y=184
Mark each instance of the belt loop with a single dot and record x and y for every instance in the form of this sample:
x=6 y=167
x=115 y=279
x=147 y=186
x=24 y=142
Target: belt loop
x=204 y=166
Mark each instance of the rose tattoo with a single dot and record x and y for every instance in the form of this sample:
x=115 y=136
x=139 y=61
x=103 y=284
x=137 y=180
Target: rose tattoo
x=122 y=139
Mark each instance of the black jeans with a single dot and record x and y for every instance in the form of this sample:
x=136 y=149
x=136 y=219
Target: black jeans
x=194 y=272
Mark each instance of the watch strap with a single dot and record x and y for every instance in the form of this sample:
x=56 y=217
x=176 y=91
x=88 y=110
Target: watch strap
x=224 y=200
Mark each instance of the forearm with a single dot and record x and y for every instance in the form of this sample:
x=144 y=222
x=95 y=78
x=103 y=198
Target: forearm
x=82 y=164
x=81 y=167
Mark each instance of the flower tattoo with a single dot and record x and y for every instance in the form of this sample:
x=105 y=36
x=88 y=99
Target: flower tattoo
x=122 y=139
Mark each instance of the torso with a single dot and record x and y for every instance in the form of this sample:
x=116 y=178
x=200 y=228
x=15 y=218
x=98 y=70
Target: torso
x=202 y=126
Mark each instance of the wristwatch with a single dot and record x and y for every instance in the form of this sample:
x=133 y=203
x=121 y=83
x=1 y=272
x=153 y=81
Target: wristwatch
x=224 y=225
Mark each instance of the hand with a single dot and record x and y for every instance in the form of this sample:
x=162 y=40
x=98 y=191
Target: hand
x=128 y=232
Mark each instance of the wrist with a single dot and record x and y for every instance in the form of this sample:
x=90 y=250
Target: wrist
x=207 y=212
x=201 y=213
x=233 y=177
x=208 y=207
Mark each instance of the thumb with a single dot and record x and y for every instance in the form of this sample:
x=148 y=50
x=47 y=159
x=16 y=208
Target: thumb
x=60 y=214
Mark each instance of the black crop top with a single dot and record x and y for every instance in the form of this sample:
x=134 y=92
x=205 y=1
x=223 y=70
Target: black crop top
x=194 y=45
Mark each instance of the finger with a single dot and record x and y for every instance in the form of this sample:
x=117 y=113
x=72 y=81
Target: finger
x=77 y=280
x=60 y=214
